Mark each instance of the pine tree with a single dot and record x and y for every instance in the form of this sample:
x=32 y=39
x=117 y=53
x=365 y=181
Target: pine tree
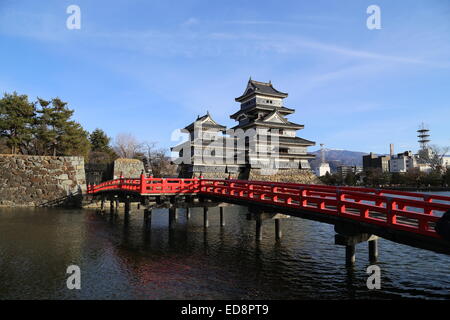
x=56 y=133
x=101 y=151
x=59 y=122
x=99 y=141
x=44 y=133
x=17 y=116
x=74 y=140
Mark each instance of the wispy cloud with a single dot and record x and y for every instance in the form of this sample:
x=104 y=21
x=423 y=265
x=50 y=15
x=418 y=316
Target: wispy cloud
x=46 y=27
x=297 y=24
x=191 y=21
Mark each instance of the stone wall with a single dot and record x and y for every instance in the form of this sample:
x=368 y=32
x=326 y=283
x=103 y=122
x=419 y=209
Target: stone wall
x=41 y=180
x=215 y=175
x=285 y=175
x=98 y=172
x=281 y=175
x=129 y=168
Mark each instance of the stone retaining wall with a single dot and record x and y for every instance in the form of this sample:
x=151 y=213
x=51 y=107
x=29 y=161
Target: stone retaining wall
x=215 y=175
x=285 y=175
x=41 y=180
x=129 y=168
x=281 y=175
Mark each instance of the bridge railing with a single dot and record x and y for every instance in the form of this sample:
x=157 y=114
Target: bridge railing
x=169 y=185
x=393 y=209
x=147 y=185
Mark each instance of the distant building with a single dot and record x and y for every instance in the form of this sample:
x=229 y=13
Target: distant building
x=322 y=169
x=423 y=167
x=343 y=171
x=372 y=161
x=446 y=162
x=406 y=161
x=402 y=162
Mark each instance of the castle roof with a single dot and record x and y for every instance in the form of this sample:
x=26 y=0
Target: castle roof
x=282 y=110
x=263 y=88
x=205 y=121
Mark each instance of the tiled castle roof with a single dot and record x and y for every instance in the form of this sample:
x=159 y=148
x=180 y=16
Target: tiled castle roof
x=264 y=88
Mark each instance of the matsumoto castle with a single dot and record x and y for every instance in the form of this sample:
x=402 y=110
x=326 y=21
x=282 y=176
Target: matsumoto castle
x=262 y=112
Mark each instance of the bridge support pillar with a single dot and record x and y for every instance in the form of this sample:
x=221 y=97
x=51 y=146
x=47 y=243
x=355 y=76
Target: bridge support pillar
x=259 y=222
x=278 y=232
x=117 y=205
x=205 y=217
x=172 y=217
x=350 y=254
x=127 y=207
x=222 y=219
x=188 y=214
x=147 y=218
x=349 y=236
x=373 y=250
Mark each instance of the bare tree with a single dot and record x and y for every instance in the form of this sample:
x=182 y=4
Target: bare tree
x=157 y=160
x=126 y=145
x=147 y=150
x=434 y=157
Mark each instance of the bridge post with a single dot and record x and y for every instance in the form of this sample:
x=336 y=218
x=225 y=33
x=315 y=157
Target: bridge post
x=142 y=183
x=111 y=207
x=259 y=229
x=350 y=256
x=222 y=219
x=117 y=205
x=102 y=205
x=373 y=250
x=349 y=236
x=127 y=207
x=172 y=219
x=147 y=218
x=278 y=233
x=205 y=217
x=188 y=214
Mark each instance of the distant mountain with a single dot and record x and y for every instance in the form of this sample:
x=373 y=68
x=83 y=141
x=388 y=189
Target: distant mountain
x=337 y=158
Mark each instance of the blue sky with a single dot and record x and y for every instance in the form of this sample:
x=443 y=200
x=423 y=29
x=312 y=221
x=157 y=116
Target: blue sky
x=150 y=67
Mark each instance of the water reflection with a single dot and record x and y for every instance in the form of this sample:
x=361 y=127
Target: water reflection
x=122 y=259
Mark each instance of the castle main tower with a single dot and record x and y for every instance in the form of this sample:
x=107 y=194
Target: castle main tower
x=263 y=110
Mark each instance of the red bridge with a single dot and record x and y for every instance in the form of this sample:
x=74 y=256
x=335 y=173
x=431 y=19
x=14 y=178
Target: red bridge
x=358 y=214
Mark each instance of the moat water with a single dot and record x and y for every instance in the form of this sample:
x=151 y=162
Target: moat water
x=125 y=261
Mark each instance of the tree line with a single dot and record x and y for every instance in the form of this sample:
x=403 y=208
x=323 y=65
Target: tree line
x=45 y=127
x=41 y=127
